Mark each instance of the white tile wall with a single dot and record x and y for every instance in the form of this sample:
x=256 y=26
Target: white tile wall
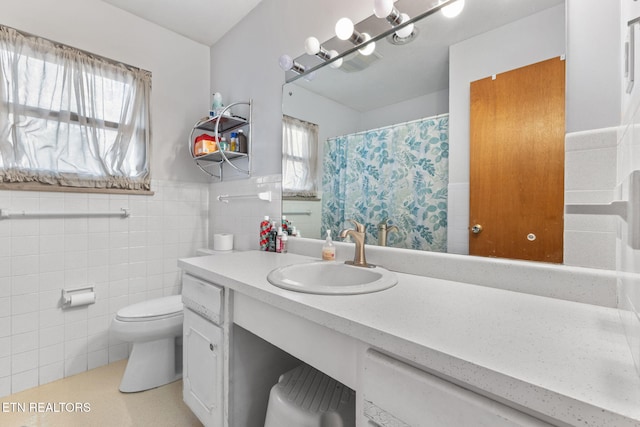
x=628 y=264
x=590 y=178
x=458 y=219
x=242 y=217
x=127 y=260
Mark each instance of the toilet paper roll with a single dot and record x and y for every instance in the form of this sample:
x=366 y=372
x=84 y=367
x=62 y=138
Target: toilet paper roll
x=81 y=299
x=222 y=242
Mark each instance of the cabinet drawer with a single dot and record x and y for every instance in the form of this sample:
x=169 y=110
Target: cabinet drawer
x=202 y=297
x=399 y=395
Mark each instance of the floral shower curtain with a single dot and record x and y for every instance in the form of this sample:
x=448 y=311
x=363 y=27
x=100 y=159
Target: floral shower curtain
x=398 y=174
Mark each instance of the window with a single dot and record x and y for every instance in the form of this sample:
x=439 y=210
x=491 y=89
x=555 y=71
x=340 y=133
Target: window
x=70 y=118
x=299 y=158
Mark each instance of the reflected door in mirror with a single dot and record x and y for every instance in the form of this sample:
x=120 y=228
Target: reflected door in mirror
x=517 y=163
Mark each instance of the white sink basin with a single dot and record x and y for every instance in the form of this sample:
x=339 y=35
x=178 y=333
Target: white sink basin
x=331 y=278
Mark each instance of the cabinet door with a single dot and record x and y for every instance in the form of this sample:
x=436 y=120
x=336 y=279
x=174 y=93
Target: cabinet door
x=398 y=395
x=202 y=371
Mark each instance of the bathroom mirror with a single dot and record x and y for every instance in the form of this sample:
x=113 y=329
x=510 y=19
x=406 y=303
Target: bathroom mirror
x=403 y=83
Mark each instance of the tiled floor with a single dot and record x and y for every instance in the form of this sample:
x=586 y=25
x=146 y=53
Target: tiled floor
x=92 y=399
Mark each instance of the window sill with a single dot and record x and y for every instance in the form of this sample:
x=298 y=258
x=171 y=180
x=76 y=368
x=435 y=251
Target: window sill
x=35 y=186
x=301 y=199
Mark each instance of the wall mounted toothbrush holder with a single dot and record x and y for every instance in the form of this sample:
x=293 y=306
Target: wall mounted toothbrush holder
x=78 y=297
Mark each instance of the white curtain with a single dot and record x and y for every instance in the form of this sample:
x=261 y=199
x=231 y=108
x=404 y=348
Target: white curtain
x=300 y=158
x=71 y=118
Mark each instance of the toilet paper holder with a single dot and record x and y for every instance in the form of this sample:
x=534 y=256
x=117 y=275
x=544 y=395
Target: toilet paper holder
x=78 y=296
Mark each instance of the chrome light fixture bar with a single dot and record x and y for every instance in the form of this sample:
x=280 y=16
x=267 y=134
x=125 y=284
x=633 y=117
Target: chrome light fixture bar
x=313 y=47
x=287 y=63
x=345 y=30
x=385 y=9
x=435 y=9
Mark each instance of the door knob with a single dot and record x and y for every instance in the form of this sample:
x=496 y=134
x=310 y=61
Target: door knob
x=476 y=229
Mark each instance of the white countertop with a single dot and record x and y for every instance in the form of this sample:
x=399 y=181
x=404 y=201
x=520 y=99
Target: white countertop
x=568 y=360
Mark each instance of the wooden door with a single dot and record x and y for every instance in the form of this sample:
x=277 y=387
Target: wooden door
x=517 y=163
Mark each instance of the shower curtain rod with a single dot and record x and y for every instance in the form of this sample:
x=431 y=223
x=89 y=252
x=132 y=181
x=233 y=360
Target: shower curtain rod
x=436 y=116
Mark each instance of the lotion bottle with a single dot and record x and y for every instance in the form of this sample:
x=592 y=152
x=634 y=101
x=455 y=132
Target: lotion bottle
x=328 y=249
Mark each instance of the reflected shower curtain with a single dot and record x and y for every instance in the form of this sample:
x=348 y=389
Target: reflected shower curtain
x=398 y=174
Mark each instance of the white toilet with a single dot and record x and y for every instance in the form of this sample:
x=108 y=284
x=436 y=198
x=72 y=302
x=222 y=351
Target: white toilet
x=155 y=329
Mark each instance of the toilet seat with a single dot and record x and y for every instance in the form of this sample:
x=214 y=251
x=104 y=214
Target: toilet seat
x=156 y=309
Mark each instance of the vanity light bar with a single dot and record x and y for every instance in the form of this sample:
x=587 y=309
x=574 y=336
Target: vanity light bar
x=345 y=30
x=313 y=47
x=385 y=9
x=287 y=63
x=371 y=45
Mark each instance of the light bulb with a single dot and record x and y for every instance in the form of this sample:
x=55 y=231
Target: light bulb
x=406 y=31
x=338 y=62
x=454 y=9
x=286 y=63
x=368 y=49
x=382 y=8
x=344 y=28
x=311 y=45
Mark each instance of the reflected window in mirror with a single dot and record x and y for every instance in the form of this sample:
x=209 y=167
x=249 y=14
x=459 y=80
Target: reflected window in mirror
x=299 y=158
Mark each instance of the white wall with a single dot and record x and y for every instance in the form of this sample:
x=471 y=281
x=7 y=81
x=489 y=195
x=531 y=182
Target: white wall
x=593 y=64
x=535 y=38
x=128 y=260
x=244 y=64
x=420 y=107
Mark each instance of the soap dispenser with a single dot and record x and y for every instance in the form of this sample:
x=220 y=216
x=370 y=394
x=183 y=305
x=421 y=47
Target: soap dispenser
x=328 y=249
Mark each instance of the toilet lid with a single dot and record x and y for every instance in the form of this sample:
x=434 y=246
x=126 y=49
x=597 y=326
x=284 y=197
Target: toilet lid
x=158 y=307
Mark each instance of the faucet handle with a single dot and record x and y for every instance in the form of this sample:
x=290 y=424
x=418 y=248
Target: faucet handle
x=359 y=227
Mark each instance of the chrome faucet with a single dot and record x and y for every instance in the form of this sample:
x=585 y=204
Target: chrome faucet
x=358 y=236
x=383 y=231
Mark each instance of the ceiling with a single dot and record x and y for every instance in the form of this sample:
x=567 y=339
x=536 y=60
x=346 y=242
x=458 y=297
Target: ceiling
x=204 y=21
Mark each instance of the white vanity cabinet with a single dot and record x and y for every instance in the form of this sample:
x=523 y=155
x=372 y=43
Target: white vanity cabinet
x=485 y=369
x=395 y=394
x=203 y=350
